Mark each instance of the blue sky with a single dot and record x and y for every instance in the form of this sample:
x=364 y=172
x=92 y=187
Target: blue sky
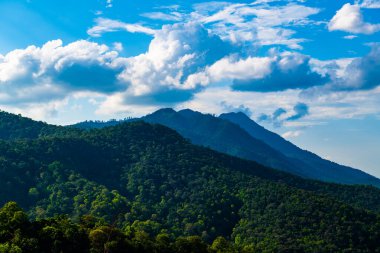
x=308 y=70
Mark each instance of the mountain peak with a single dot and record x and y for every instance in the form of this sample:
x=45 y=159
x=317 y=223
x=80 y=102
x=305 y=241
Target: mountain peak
x=163 y=111
x=187 y=110
x=236 y=114
x=241 y=117
x=189 y=113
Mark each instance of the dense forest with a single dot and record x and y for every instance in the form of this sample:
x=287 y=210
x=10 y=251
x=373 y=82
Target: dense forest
x=89 y=234
x=139 y=187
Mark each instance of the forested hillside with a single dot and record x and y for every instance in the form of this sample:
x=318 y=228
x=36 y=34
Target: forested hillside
x=13 y=127
x=142 y=177
x=236 y=134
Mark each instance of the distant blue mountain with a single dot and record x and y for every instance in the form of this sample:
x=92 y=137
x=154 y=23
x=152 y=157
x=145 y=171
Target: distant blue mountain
x=312 y=165
x=236 y=134
x=220 y=135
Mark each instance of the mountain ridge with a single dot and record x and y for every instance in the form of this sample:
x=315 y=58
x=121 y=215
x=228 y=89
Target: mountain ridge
x=247 y=139
x=305 y=158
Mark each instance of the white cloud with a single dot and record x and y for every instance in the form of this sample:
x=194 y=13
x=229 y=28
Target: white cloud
x=30 y=84
x=350 y=37
x=291 y=134
x=333 y=105
x=346 y=105
x=173 y=16
x=118 y=46
x=116 y=106
x=334 y=68
x=261 y=24
x=169 y=7
x=38 y=111
x=349 y=74
x=182 y=59
x=210 y=100
x=215 y=44
x=362 y=73
x=230 y=68
x=104 y=25
x=288 y=70
x=51 y=72
x=175 y=52
x=350 y=19
x=371 y=4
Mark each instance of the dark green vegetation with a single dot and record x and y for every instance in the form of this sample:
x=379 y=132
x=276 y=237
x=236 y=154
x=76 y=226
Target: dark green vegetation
x=13 y=127
x=161 y=190
x=238 y=135
x=60 y=234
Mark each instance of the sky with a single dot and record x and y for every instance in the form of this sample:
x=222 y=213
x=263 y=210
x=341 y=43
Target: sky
x=308 y=70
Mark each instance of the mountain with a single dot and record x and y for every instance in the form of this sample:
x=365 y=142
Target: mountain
x=236 y=134
x=246 y=139
x=312 y=165
x=220 y=135
x=145 y=177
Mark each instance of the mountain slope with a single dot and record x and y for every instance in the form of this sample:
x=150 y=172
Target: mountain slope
x=248 y=140
x=147 y=176
x=220 y=135
x=237 y=135
x=313 y=165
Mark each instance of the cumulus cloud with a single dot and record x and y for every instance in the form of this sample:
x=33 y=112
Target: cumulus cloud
x=350 y=74
x=104 y=25
x=350 y=19
x=362 y=73
x=52 y=71
x=174 y=54
x=182 y=59
x=230 y=68
x=206 y=47
x=288 y=71
x=158 y=76
x=217 y=43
